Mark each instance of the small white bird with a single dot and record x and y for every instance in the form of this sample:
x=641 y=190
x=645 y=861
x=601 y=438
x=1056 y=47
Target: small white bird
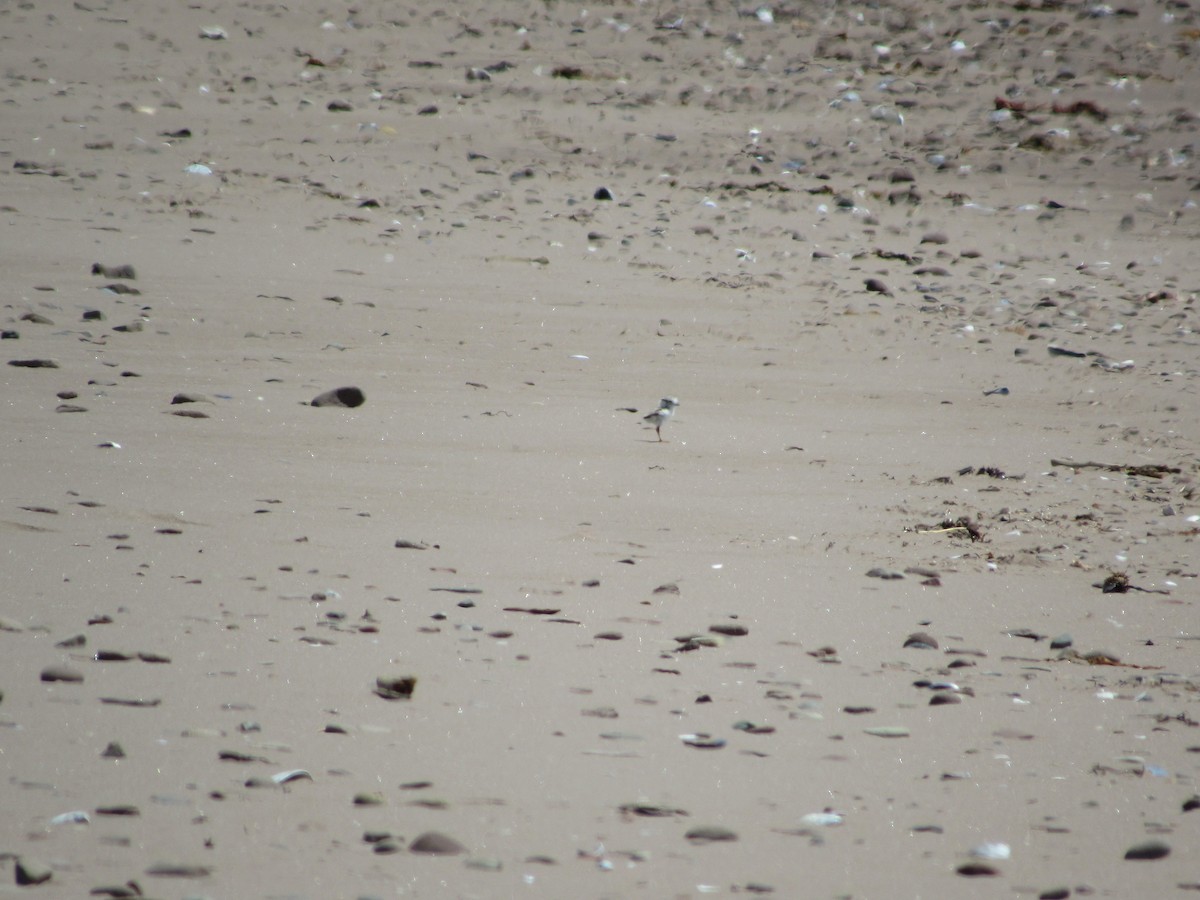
x=658 y=418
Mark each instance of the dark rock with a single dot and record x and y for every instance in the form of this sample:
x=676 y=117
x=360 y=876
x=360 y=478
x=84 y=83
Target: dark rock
x=62 y=673
x=347 y=397
x=920 y=640
x=977 y=869
x=727 y=629
x=123 y=271
x=31 y=871
x=708 y=834
x=434 y=843
x=1148 y=850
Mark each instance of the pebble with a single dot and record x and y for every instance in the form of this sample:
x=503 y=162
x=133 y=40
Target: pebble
x=991 y=850
x=62 y=673
x=888 y=731
x=178 y=870
x=708 y=834
x=190 y=398
x=30 y=871
x=434 y=843
x=885 y=574
x=118 y=891
x=822 y=819
x=290 y=775
x=730 y=630
x=920 y=640
x=125 y=271
x=75 y=817
x=346 y=397
x=395 y=687
x=1062 y=642
x=977 y=869
x=702 y=741
x=484 y=864
x=113 y=751
x=1148 y=850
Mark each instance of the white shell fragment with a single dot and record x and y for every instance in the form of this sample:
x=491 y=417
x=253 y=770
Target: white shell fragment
x=291 y=775
x=75 y=817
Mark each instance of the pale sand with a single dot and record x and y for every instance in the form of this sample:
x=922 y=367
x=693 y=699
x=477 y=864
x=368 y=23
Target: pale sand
x=509 y=332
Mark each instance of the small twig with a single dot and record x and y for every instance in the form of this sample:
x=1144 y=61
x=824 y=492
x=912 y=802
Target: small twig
x=1152 y=470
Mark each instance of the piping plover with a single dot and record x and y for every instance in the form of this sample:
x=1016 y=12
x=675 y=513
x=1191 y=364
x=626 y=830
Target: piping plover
x=658 y=418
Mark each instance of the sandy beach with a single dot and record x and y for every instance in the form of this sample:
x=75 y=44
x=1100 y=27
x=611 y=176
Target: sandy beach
x=903 y=605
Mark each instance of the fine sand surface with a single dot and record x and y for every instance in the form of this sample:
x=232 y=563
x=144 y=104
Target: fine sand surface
x=857 y=628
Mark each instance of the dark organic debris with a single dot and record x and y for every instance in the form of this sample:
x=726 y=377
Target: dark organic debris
x=989 y=471
x=402 y=544
x=1151 y=470
x=1115 y=583
x=125 y=271
x=395 y=687
x=962 y=526
x=650 y=810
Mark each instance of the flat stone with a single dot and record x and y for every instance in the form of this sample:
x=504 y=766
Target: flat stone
x=1148 y=850
x=728 y=629
x=31 y=871
x=434 y=843
x=921 y=640
x=62 y=673
x=888 y=731
x=708 y=834
x=189 y=398
x=944 y=698
x=178 y=870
